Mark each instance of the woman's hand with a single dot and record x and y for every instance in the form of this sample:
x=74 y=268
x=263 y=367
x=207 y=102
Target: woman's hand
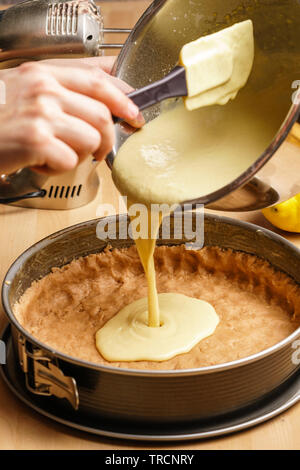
x=59 y=112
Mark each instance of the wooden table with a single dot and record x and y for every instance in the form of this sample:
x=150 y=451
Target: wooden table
x=21 y=427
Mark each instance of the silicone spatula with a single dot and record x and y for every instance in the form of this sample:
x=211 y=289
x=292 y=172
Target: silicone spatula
x=211 y=70
x=171 y=86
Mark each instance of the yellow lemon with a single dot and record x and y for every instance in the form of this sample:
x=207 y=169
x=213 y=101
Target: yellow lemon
x=285 y=215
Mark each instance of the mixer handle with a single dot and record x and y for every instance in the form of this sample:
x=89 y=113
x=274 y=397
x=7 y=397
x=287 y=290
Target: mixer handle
x=113 y=30
x=9 y=200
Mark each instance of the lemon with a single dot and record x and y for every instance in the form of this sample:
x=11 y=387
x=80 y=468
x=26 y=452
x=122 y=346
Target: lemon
x=285 y=215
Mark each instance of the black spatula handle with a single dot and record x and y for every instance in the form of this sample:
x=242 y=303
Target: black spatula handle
x=171 y=86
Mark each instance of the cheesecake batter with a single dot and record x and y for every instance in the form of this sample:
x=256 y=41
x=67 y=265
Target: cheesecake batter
x=145 y=247
x=217 y=66
x=128 y=336
x=184 y=155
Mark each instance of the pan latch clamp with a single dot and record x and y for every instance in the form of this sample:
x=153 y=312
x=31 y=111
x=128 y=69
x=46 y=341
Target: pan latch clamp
x=43 y=376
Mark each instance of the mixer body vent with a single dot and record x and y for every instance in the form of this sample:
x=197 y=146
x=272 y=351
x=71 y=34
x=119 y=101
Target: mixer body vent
x=64 y=191
x=62 y=19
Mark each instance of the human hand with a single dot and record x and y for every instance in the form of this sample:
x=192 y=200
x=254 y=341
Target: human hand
x=59 y=112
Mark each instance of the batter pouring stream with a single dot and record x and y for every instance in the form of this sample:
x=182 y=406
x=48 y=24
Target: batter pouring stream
x=173 y=159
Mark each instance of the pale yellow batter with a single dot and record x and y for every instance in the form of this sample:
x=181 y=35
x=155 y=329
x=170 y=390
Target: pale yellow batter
x=128 y=336
x=178 y=157
x=146 y=246
x=183 y=155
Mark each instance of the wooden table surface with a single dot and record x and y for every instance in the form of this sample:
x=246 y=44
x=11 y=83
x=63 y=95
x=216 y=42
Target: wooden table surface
x=23 y=428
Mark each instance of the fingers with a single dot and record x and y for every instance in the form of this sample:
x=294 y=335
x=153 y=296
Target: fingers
x=45 y=117
x=94 y=113
x=91 y=132
x=104 y=63
x=56 y=116
x=95 y=85
x=36 y=142
x=51 y=80
x=138 y=122
x=77 y=134
x=123 y=86
x=55 y=157
x=112 y=92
